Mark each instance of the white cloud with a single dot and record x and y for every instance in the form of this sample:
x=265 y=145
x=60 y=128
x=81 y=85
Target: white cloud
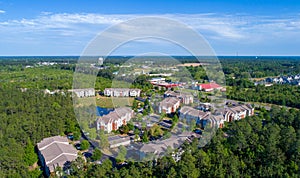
x=218 y=28
x=2 y=12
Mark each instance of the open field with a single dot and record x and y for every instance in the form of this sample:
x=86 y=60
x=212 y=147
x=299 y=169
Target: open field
x=193 y=64
x=106 y=102
x=111 y=102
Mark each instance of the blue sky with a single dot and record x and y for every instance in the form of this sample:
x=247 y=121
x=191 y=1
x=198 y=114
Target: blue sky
x=56 y=27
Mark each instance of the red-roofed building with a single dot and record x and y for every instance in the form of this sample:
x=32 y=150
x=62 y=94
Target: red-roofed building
x=209 y=86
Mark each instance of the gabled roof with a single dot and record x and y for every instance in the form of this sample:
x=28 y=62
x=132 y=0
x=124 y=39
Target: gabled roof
x=169 y=102
x=177 y=94
x=50 y=140
x=161 y=146
x=118 y=139
x=115 y=115
x=193 y=112
x=209 y=86
x=185 y=109
x=56 y=151
x=238 y=108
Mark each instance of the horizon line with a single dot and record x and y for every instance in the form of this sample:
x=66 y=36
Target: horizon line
x=150 y=56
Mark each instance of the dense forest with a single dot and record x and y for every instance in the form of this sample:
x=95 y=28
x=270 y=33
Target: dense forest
x=257 y=67
x=27 y=118
x=285 y=95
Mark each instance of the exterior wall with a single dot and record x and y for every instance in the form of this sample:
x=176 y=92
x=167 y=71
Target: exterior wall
x=115 y=124
x=168 y=110
x=176 y=106
x=238 y=115
x=107 y=92
x=208 y=90
x=188 y=100
x=43 y=164
x=124 y=143
x=84 y=92
x=106 y=127
x=109 y=127
x=135 y=93
x=242 y=114
x=122 y=92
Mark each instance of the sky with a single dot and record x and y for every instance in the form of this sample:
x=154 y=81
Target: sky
x=231 y=27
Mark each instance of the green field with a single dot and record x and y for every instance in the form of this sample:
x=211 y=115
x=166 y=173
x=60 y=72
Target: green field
x=106 y=102
x=111 y=102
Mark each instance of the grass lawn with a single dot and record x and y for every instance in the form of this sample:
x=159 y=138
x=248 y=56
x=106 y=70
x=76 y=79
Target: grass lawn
x=106 y=102
x=186 y=90
x=111 y=102
x=85 y=101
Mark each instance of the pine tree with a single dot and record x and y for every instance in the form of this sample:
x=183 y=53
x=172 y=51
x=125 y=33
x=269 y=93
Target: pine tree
x=30 y=156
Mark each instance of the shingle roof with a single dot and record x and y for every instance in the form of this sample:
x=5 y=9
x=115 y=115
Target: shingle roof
x=160 y=147
x=57 y=151
x=116 y=114
x=193 y=112
x=169 y=102
x=49 y=140
x=178 y=94
x=118 y=139
x=238 y=108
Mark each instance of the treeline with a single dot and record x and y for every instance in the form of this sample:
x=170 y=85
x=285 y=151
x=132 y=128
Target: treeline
x=252 y=67
x=31 y=60
x=285 y=95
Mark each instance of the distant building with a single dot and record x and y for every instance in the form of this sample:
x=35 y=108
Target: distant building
x=169 y=105
x=165 y=124
x=161 y=74
x=161 y=83
x=114 y=119
x=82 y=93
x=117 y=140
x=209 y=87
x=185 y=98
x=188 y=113
x=160 y=146
x=46 y=91
x=204 y=107
x=229 y=114
x=122 y=92
x=157 y=80
x=100 y=60
x=55 y=152
x=291 y=80
x=238 y=112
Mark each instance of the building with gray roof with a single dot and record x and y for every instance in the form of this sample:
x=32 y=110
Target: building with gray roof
x=55 y=152
x=115 y=119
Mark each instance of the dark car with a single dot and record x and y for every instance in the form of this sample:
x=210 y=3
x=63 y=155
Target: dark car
x=87 y=154
x=198 y=131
